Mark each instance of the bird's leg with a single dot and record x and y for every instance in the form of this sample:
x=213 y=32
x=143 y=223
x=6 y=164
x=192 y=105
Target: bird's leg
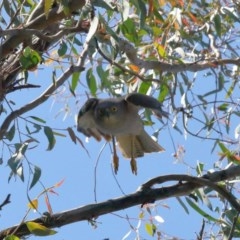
x=133 y=162
x=115 y=159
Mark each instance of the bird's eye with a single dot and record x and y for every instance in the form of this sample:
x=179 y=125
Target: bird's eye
x=114 y=108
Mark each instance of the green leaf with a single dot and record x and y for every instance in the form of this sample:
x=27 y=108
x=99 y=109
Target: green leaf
x=143 y=12
x=11 y=237
x=72 y=135
x=29 y=58
x=39 y=230
x=38 y=119
x=163 y=92
x=62 y=49
x=103 y=75
x=128 y=28
x=223 y=107
x=200 y=211
x=10 y=134
x=75 y=78
x=50 y=136
x=36 y=176
x=13 y=163
x=182 y=204
x=91 y=81
x=217 y=22
x=144 y=87
x=47 y=6
x=199 y=169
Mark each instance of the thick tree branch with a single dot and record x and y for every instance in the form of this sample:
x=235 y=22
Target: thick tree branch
x=145 y=194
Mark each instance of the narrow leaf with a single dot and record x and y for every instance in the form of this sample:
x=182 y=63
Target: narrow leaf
x=183 y=205
x=91 y=81
x=217 y=22
x=36 y=176
x=72 y=135
x=10 y=134
x=47 y=6
x=200 y=211
x=75 y=78
x=51 y=139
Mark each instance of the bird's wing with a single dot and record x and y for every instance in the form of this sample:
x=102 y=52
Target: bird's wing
x=85 y=121
x=145 y=101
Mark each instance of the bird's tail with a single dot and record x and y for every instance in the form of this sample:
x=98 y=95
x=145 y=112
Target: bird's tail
x=133 y=146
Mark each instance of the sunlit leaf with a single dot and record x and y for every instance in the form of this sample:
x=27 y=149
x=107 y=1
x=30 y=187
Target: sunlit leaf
x=163 y=92
x=144 y=87
x=125 y=10
x=159 y=219
x=75 y=79
x=47 y=6
x=39 y=230
x=141 y=215
x=128 y=28
x=36 y=176
x=20 y=172
x=50 y=136
x=223 y=107
x=13 y=163
x=11 y=237
x=33 y=204
x=199 y=168
x=160 y=49
x=150 y=228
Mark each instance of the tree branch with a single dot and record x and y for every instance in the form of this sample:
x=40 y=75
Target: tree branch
x=50 y=90
x=39 y=23
x=174 y=67
x=145 y=194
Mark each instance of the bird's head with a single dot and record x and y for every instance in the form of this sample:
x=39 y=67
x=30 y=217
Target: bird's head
x=110 y=111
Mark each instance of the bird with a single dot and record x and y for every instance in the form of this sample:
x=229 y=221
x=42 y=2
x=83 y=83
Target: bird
x=119 y=118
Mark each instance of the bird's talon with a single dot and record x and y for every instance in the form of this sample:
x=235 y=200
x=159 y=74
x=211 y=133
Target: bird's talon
x=133 y=164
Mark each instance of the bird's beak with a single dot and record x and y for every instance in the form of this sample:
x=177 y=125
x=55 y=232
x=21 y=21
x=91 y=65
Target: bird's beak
x=104 y=113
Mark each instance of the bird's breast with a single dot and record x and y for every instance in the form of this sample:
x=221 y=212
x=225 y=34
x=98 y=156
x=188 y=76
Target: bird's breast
x=118 y=126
